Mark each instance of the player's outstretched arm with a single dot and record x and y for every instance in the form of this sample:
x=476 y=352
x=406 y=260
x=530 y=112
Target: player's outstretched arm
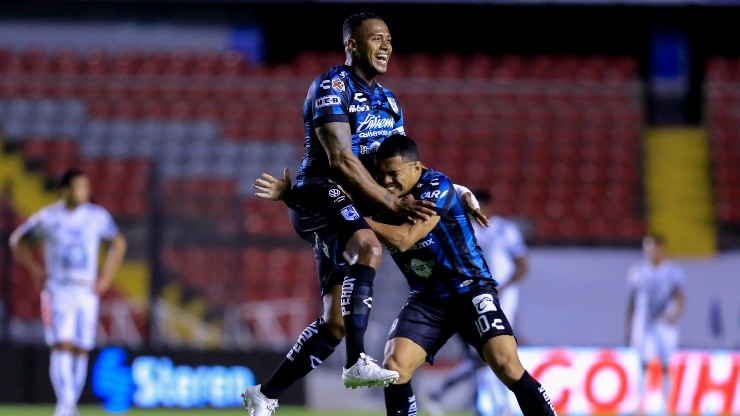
x=272 y=188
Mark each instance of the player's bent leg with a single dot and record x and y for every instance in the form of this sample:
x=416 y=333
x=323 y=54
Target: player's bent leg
x=333 y=312
x=403 y=356
x=363 y=252
x=315 y=344
x=501 y=355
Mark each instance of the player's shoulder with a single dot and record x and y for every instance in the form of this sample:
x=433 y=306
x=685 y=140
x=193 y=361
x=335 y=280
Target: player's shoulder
x=386 y=91
x=52 y=209
x=333 y=81
x=673 y=266
x=95 y=209
x=435 y=178
x=336 y=74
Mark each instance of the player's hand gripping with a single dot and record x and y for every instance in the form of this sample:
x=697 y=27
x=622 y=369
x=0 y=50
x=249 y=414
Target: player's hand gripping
x=414 y=209
x=473 y=208
x=272 y=188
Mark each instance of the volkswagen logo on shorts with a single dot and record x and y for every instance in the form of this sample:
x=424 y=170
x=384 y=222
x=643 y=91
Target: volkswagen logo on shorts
x=333 y=192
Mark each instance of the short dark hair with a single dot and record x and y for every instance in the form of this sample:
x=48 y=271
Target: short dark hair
x=354 y=21
x=398 y=145
x=65 y=180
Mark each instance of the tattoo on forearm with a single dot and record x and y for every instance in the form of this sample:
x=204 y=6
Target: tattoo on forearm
x=387 y=199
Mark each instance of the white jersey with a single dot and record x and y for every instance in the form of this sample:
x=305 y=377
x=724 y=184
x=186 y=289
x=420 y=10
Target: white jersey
x=501 y=242
x=71 y=243
x=653 y=288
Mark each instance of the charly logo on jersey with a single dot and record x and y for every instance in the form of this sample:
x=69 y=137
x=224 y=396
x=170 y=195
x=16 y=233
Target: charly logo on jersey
x=362 y=106
x=484 y=303
x=420 y=267
x=337 y=84
x=350 y=213
x=326 y=101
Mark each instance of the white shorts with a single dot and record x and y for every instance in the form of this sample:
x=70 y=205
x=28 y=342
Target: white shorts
x=70 y=318
x=660 y=340
x=509 y=301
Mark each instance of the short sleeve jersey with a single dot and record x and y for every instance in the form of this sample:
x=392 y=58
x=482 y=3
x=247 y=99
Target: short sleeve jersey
x=653 y=288
x=340 y=96
x=446 y=261
x=71 y=242
x=501 y=242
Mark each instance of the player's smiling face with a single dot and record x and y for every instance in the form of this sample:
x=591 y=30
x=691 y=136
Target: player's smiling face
x=372 y=47
x=397 y=175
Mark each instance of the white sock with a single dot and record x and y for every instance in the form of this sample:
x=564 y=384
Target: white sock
x=80 y=370
x=62 y=376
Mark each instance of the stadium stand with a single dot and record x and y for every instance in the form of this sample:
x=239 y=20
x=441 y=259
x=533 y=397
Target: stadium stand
x=183 y=135
x=722 y=110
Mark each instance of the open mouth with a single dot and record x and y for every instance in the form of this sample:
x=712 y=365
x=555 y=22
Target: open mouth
x=382 y=58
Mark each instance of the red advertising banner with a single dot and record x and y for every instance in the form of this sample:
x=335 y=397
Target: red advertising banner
x=598 y=381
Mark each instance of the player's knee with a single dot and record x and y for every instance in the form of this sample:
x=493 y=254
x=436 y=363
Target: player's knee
x=368 y=249
x=405 y=371
x=506 y=365
x=336 y=327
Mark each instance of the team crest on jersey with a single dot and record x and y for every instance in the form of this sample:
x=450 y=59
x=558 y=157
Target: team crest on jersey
x=393 y=104
x=350 y=213
x=337 y=84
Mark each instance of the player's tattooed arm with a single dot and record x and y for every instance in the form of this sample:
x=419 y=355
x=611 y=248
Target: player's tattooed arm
x=336 y=140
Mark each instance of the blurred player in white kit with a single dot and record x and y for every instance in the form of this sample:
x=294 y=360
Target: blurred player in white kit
x=655 y=303
x=69 y=278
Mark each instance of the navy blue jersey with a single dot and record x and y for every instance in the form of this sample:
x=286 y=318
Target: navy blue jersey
x=447 y=260
x=338 y=95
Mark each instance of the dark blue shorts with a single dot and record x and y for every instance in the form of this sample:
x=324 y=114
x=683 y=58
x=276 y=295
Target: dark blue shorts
x=323 y=215
x=430 y=322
